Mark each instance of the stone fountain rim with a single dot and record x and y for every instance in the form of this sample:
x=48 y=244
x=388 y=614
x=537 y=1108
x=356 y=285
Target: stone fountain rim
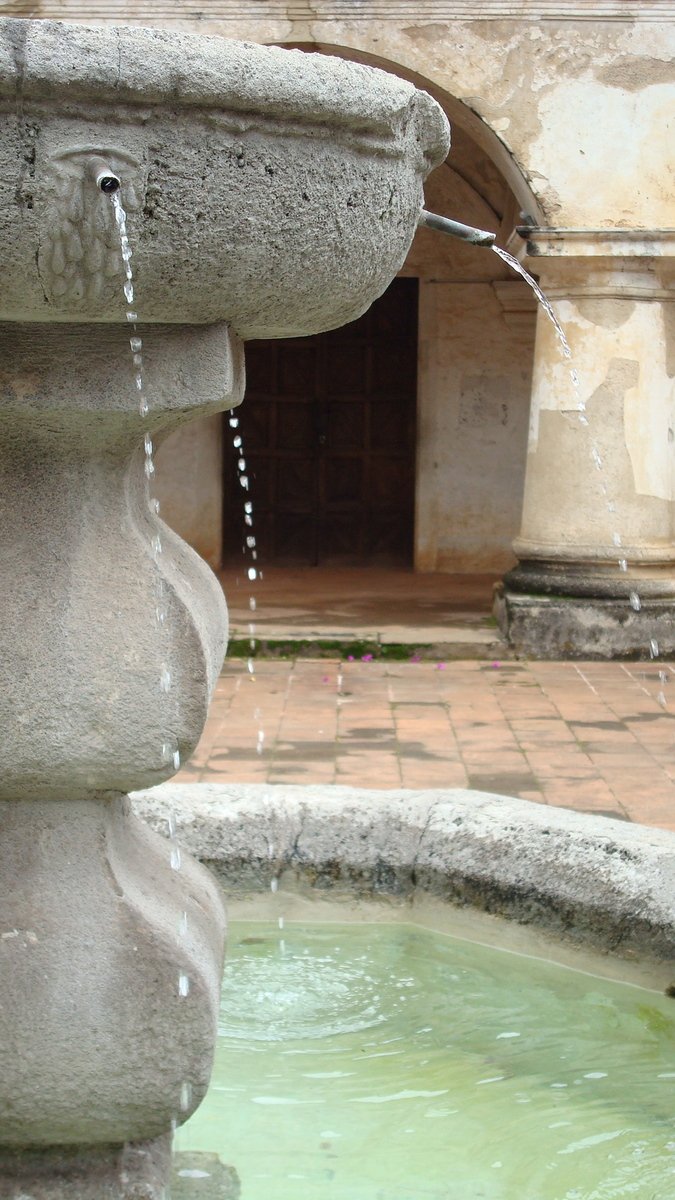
x=591 y=880
x=67 y=61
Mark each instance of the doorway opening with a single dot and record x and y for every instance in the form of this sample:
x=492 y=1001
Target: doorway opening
x=329 y=430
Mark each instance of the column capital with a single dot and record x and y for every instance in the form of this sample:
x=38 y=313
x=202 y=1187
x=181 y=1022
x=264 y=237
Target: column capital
x=634 y=264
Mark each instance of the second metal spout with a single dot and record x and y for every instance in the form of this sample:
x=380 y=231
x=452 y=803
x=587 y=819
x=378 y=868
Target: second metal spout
x=466 y=233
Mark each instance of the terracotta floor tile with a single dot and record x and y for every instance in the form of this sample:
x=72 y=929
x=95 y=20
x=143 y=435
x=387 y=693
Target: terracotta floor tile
x=589 y=736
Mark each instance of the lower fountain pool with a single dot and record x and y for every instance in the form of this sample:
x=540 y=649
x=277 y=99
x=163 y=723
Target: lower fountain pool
x=376 y=1061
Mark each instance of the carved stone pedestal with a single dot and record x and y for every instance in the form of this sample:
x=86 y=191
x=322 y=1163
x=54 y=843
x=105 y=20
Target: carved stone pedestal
x=111 y=941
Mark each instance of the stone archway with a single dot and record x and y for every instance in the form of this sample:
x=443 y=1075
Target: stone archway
x=474 y=362
x=474 y=359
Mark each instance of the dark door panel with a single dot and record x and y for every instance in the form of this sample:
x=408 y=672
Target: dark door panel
x=328 y=426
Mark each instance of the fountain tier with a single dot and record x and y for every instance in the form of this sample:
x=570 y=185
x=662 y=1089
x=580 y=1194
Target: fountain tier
x=268 y=193
x=274 y=190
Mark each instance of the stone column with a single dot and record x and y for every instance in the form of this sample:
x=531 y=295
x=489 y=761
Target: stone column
x=112 y=636
x=596 y=572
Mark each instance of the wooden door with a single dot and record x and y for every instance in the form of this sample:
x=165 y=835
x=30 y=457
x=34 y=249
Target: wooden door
x=328 y=427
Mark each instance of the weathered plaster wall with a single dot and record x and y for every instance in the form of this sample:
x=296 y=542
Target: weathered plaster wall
x=473 y=413
x=476 y=340
x=578 y=94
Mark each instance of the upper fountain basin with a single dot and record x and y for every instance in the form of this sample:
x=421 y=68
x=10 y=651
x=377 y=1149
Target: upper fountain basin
x=276 y=190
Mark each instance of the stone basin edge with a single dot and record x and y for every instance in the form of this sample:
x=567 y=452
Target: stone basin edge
x=590 y=880
x=62 y=61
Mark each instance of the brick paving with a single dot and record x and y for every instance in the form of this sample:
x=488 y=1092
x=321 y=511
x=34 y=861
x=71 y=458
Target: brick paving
x=589 y=736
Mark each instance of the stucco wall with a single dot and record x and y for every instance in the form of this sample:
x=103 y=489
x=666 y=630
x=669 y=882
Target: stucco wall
x=473 y=406
x=578 y=93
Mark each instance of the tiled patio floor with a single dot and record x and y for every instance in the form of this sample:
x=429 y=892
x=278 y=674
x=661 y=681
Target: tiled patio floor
x=588 y=736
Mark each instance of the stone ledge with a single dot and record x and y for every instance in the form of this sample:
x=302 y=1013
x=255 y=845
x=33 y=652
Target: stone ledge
x=590 y=880
x=570 y=627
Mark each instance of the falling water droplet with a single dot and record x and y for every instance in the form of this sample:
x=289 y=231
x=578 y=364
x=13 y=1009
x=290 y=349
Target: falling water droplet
x=165 y=679
x=653 y=648
x=171 y=823
x=596 y=458
x=144 y=407
x=250 y=666
x=149 y=468
x=129 y=291
x=260 y=742
x=185 y=1096
x=236 y=442
x=234 y=421
x=616 y=538
x=623 y=564
x=252 y=573
x=635 y=601
x=183 y=923
x=176 y=759
x=183 y=984
x=274 y=885
x=252 y=603
x=147 y=442
x=136 y=344
x=280 y=922
x=175 y=859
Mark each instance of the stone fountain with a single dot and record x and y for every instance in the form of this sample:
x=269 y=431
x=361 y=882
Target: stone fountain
x=269 y=193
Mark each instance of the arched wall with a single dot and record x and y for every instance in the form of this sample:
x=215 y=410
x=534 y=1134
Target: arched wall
x=476 y=340
x=578 y=95
x=577 y=115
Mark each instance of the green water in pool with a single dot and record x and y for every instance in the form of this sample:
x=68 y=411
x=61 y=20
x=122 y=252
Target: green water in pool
x=389 y=1062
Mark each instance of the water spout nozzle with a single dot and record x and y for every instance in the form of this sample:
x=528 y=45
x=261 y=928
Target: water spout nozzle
x=105 y=179
x=466 y=233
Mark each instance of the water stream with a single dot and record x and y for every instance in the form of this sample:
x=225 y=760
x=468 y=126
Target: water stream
x=169 y=751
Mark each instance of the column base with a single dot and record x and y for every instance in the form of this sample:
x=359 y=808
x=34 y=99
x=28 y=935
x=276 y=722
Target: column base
x=139 y=1171
x=590 y=627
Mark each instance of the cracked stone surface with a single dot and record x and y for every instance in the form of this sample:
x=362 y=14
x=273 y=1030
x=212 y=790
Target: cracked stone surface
x=590 y=879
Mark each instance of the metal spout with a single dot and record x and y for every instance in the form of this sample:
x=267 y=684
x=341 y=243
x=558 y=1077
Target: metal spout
x=103 y=177
x=466 y=233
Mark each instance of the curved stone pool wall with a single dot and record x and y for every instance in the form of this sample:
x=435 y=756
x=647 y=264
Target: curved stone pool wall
x=591 y=880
